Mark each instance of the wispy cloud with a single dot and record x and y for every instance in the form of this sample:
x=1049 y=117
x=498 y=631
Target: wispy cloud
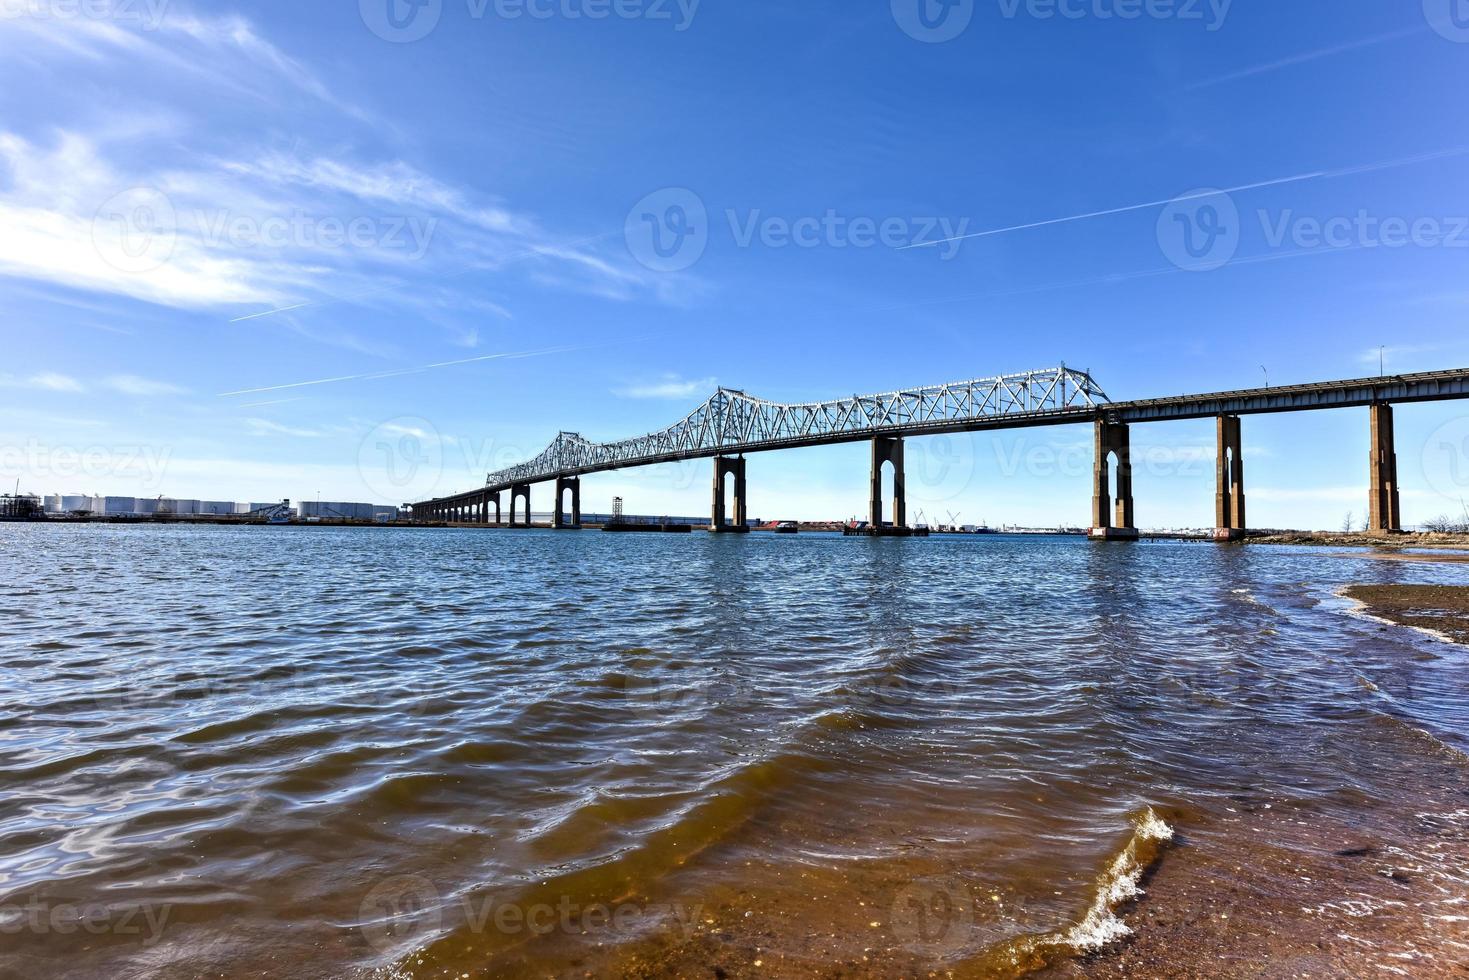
x=260 y=230
x=669 y=386
x=45 y=381
x=1386 y=355
x=131 y=384
x=265 y=427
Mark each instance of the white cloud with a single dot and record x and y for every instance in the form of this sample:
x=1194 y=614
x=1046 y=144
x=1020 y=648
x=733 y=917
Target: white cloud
x=45 y=381
x=669 y=386
x=265 y=427
x=131 y=384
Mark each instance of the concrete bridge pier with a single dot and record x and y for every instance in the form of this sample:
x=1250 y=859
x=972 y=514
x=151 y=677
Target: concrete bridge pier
x=888 y=449
x=519 y=492
x=563 y=484
x=1113 y=440
x=1384 y=507
x=1229 y=499
x=719 y=523
x=492 y=500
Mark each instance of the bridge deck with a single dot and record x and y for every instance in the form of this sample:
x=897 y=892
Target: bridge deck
x=1075 y=407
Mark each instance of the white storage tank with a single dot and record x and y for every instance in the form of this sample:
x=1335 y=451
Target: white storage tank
x=216 y=508
x=54 y=504
x=120 y=506
x=74 y=502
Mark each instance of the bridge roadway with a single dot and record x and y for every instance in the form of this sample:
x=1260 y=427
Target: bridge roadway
x=731 y=424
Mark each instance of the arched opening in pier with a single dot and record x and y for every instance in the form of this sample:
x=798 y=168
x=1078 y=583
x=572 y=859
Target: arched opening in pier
x=887 y=486
x=1113 y=474
x=727 y=493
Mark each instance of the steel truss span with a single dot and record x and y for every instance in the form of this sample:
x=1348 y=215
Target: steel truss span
x=734 y=422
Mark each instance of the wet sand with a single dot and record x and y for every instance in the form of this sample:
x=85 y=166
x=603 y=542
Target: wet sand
x=1335 y=891
x=1443 y=609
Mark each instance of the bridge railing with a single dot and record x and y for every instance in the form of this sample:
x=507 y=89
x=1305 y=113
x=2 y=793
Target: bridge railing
x=732 y=421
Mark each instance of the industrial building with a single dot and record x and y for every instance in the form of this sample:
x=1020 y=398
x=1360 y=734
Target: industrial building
x=334 y=511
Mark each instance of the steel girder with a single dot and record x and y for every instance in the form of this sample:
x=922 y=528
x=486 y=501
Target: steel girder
x=734 y=422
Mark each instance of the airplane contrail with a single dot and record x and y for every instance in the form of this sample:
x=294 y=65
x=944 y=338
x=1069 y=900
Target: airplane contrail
x=1200 y=195
x=1122 y=210
x=1306 y=57
x=374 y=376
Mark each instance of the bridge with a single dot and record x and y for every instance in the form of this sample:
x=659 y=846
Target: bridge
x=731 y=424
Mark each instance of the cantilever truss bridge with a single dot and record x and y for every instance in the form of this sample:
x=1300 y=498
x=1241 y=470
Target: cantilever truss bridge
x=732 y=422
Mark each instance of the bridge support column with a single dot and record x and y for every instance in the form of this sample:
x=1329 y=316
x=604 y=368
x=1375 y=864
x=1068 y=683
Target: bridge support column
x=1229 y=497
x=1384 y=508
x=887 y=449
x=564 y=484
x=1113 y=438
x=492 y=500
x=520 y=491
x=719 y=523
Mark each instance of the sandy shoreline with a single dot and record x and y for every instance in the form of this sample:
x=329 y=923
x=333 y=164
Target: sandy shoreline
x=1440 y=609
x=1342 y=891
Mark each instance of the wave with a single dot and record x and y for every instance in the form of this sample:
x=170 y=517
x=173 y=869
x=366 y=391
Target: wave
x=1119 y=883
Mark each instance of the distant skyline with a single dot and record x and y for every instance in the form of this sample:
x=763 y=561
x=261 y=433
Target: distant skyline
x=375 y=250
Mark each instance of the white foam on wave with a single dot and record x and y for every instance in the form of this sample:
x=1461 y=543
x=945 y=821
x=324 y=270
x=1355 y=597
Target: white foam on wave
x=1101 y=925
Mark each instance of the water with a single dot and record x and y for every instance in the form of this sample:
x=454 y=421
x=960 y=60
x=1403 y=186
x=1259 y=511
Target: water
x=335 y=752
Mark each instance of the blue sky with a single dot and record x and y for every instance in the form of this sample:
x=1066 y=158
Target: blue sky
x=204 y=204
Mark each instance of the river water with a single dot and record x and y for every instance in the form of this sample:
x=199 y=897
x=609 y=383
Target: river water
x=422 y=753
